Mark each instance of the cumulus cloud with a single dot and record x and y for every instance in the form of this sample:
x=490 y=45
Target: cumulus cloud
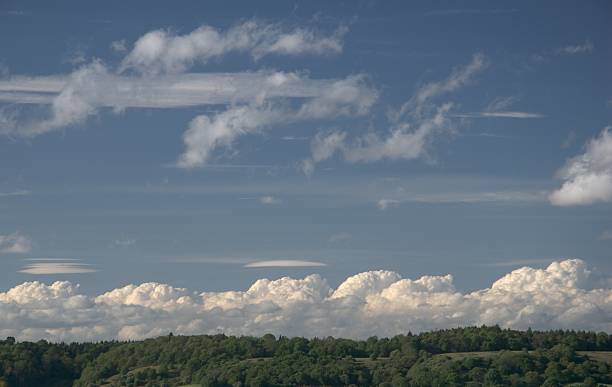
x=563 y=295
x=163 y=51
x=15 y=243
x=587 y=178
x=413 y=127
x=284 y=263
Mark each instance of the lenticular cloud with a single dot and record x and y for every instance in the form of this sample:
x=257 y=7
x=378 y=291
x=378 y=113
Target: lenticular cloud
x=564 y=295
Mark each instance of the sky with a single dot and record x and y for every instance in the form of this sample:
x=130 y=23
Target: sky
x=431 y=164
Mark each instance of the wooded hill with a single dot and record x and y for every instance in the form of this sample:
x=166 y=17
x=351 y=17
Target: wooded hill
x=474 y=356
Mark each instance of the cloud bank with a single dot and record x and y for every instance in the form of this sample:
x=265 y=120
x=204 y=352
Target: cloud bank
x=587 y=178
x=566 y=294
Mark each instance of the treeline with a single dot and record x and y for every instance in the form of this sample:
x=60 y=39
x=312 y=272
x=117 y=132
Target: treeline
x=520 y=358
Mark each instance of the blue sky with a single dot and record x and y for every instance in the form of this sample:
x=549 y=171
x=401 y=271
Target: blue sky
x=415 y=137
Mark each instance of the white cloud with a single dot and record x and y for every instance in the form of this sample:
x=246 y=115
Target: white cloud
x=119 y=45
x=606 y=235
x=384 y=204
x=501 y=114
x=19 y=192
x=587 y=178
x=500 y=108
x=414 y=126
x=48 y=268
x=564 y=295
x=72 y=99
x=584 y=48
x=460 y=77
x=15 y=243
x=284 y=263
x=340 y=237
x=347 y=97
x=269 y=200
x=162 y=51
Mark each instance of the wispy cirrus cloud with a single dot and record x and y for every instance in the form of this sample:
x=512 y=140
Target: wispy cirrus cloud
x=501 y=114
x=501 y=107
x=583 y=48
x=340 y=237
x=18 y=192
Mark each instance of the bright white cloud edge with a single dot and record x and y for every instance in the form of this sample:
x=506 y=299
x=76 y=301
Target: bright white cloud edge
x=567 y=295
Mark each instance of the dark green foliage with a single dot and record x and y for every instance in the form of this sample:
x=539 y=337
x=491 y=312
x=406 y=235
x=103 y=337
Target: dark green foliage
x=439 y=358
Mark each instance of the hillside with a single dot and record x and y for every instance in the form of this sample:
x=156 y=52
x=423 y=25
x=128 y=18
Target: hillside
x=473 y=356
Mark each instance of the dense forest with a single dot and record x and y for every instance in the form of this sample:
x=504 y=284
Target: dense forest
x=475 y=356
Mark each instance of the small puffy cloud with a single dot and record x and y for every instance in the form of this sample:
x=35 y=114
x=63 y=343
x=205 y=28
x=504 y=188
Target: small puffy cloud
x=119 y=45
x=584 y=48
x=340 y=237
x=377 y=302
x=606 y=235
x=587 y=178
x=284 y=263
x=15 y=243
x=384 y=204
x=269 y=200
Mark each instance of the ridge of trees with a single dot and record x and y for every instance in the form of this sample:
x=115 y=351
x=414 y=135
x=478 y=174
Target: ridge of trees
x=436 y=358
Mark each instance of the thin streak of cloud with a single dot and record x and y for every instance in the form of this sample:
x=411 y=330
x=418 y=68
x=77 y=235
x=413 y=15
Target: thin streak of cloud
x=501 y=114
x=284 y=263
x=269 y=200
x=459 y=11
x=48 y=268
x=520 y=262
x=19 y=192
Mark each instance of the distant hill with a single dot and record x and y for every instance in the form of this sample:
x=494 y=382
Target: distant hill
x=474 y=356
